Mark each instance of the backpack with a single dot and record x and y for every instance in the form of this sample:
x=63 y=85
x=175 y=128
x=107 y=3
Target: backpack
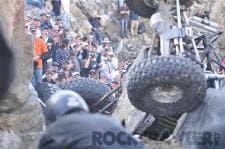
x=141 y=28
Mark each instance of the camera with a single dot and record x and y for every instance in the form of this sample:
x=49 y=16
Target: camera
x=92 y=54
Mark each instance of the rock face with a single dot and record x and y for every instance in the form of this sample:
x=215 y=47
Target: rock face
x=21 y=113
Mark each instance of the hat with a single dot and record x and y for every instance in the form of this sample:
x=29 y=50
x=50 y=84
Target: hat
x=110 y=53
x=85 y=44
x=55 y=64
x=106 y=40
x=75 y=73
x=48 y=15
x=43 y=14
x=92 y=71
x=58 y=18
x=32 y=28
x=45 y=28
x=37 y=18
x=49 y=71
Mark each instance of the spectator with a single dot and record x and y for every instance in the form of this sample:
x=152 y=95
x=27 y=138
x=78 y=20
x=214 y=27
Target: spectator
x=63 y=54
x=55 y=47
x=61 y=77
x=46 y=22
x=49 y=77
x=91 y=64
x=124 y=20
x=96 y=28
x=37 y=25
x=40 y=49
x=47 y=60
x=134 y=18
x=93 y=74
x=75 y=62
x=109 y=67
x=59 y=23
x=75 y=75
x=56 y=7
x=105 y=45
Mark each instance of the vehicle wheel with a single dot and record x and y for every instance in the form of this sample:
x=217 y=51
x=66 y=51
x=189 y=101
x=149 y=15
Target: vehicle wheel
x=166 y=85
x=144 y=8
x=45 y=90
x=92 y=91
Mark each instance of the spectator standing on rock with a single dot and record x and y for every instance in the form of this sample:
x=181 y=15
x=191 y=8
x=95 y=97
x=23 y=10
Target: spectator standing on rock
x=134 y=22
x=56 y=7
x=96 y=28
x=40 y=49
x=124 y=12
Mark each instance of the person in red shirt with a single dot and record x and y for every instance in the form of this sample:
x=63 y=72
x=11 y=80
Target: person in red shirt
x=40 y=50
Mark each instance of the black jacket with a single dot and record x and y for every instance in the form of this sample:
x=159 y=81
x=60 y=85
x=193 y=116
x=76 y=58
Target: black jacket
x=87 y=131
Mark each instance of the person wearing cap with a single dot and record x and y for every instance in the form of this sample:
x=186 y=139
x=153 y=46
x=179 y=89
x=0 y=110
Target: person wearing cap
x=56 y=7
x=40 y=51
x=105 y=45
x=109 y=67
x=76 y=75
x=93 y=74
x=46 y=22
x=37 y=24
x=49 y=77
x=72 y=126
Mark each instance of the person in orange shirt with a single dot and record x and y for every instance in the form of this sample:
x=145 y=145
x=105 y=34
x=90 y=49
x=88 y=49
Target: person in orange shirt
x=40 y=51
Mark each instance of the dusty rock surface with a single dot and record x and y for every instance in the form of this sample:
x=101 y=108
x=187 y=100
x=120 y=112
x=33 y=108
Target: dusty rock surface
x=21 y=114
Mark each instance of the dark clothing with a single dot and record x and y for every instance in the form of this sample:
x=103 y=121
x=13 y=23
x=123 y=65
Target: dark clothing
x=62 y=55
x=56 y=7
x=52 y=81
x=125 y=15
x=86 y=131
x=95 y=22
x=133 y=15
x=55 y=48
x=46 y=24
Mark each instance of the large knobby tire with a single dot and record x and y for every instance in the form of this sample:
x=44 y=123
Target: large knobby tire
x=166 y=86
x=141 y=8
x=92 y=91
x=46 y=90
x=146 y=8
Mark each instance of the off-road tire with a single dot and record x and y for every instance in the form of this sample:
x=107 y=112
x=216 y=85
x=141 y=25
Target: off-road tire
x=146 y=11
x=152 y=77
x=141 y=8
x=45 y=90
x=91 y=90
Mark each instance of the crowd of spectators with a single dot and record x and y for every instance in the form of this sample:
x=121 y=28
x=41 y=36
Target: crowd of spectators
x=60 y=56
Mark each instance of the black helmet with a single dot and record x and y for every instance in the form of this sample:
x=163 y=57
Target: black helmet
x=64 y=102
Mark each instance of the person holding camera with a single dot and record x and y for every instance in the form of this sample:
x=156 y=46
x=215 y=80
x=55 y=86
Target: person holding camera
x=91 y=64
x=109 y=67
